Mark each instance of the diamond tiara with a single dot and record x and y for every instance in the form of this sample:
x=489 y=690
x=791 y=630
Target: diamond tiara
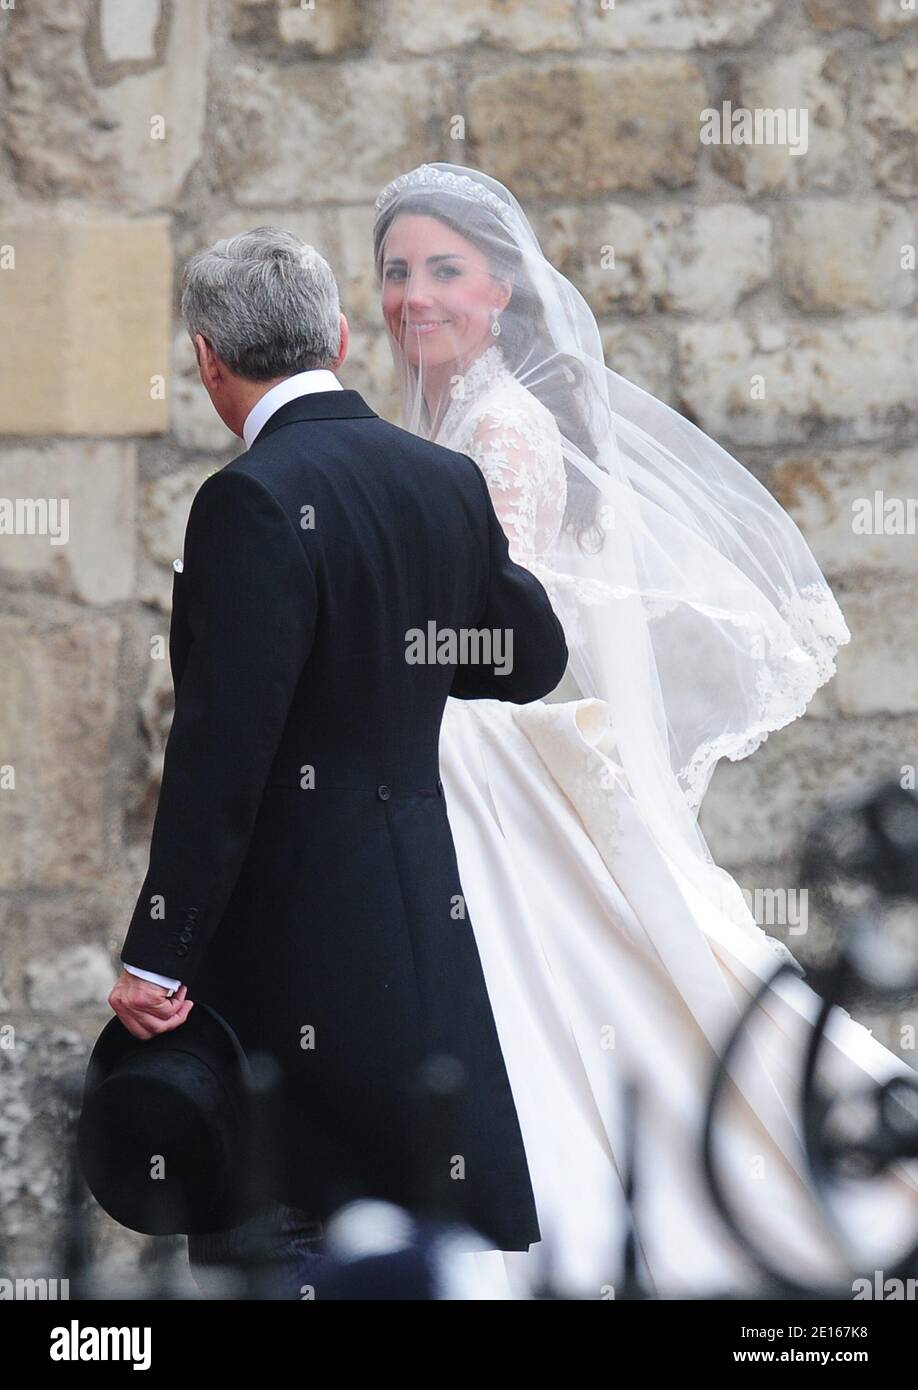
x=426 y=176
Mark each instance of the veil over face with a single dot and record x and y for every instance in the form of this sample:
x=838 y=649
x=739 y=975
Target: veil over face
x=692 y=604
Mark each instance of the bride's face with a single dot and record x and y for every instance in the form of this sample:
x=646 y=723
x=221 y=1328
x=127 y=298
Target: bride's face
x=437 y=291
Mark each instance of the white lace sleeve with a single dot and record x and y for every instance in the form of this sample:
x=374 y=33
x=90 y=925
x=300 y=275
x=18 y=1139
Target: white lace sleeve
x=518 y=449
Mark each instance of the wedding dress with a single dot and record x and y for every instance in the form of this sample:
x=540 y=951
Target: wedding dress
x=615 y=951
x=603 y=966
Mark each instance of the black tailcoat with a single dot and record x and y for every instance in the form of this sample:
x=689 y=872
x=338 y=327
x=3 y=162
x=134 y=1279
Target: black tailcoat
x=302 y=875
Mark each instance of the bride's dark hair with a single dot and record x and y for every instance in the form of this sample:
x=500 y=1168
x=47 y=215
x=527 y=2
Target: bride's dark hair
x=524 y=335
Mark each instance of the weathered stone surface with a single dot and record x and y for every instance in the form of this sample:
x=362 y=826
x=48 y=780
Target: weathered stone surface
x=128 y=31
x=842 y=254
x=165 y=505
x=610 y=252
x=323 y=29
x=50 y=96
x=701 y=261
x=891 y=121
x=856 y=381
x=833 y=498
x=643 y=355
x=16 y=1114
x=677 y=23
x=879 y=675
x=8 y=914
x=713 y=256
x=315 y=29
x=158 y=109
x=290 y=134
x=807 y=79
x=423 y=28
x=38 y=931
x=157 y=706
x=77 y=978
x=34 y=1111
x=351 y=258
x=95 y=561
x=770 y=798
x=104 y=101
x=582 y=130
x=885 y=19
x=58 y=700
x=88 y=307
x=253 y=19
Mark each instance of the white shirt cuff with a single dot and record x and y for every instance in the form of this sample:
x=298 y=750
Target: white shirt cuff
x=153 y=977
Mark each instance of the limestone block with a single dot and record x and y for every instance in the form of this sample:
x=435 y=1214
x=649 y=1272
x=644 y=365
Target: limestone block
x=770 y=798
x=79 y=977
x=58 y=702
x=857 y=509
x=86 y=308
x=515 y=24
x=88 y=491
x=677 y=24
x=580 y=131
x=291 y=134
x=106 y=98
x=856 y=380
x=879 y=673
x=885 y=19
x=840 y=254
x=807 y=81
x=891 y=121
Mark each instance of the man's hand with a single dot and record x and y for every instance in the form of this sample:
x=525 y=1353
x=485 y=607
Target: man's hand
x=144 y=1008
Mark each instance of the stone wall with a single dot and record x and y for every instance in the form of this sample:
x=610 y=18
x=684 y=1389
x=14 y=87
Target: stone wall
x=134 y=131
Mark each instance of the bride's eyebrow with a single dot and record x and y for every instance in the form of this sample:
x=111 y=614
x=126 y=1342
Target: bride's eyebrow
x=431 y=260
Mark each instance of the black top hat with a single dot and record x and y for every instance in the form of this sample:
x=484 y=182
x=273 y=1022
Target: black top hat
x=166 y=1125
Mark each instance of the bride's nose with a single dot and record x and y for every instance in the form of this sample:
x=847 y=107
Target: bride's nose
x=417 y=293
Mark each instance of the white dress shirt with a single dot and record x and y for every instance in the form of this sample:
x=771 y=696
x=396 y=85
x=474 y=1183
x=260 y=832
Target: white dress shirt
x=317 y=379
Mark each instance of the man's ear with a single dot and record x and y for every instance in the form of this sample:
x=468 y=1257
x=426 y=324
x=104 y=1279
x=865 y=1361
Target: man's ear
x=345 y=340
x=208 y=362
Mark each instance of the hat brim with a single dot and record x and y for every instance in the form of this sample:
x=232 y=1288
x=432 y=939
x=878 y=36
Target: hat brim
x=205 y=1033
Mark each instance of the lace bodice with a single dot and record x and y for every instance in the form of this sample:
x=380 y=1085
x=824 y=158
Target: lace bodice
x=516 y=443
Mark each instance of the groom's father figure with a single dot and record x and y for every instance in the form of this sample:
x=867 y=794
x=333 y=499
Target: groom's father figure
x=302 y=878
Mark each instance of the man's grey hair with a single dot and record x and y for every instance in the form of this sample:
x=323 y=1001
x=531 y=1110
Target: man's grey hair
x=266 y=302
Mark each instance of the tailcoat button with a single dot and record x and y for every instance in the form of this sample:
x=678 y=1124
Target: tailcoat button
x=383 y=792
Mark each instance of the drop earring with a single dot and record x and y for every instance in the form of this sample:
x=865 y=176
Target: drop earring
x=495 y=323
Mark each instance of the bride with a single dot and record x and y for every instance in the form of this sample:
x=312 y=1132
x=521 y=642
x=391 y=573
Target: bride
x=614 y=949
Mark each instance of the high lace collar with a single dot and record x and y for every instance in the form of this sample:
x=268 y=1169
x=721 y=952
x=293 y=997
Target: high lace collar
x=486 y=369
